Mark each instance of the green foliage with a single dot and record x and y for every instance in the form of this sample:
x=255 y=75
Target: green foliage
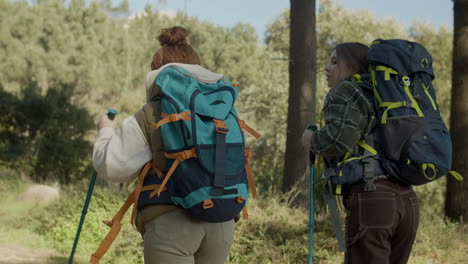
x=336 y=24
x=58 y=223
x=44 y=135
x=14 y=217
x=273 y=234
x=439 y=241
x=276 y=234
x=264 y=106
x=106 y=56
x=62 y=62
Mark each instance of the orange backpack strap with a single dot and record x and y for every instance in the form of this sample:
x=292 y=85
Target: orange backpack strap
x=178 y=157
x=157 y=170
x=245 y=214
x=141 y=179
x=172 y=118
x=139 y=189
x=248 y=171
x=247 y=128
x=153 y=187
x=116 y=223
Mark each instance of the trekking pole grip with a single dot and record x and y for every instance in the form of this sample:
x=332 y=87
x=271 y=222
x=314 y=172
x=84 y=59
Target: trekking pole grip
x=111 y=113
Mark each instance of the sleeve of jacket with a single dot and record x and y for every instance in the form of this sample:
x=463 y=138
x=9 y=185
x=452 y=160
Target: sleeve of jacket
x=119 y=154
x=346 y=115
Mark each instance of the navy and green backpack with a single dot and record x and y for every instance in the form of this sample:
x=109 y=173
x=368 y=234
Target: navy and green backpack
x=209 y=175
x=410 y=141
x=415 y=141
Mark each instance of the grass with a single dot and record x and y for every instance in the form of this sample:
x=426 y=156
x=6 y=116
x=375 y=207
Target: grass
x=273 y=234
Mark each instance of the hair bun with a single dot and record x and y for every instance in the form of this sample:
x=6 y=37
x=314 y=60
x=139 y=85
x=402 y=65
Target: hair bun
x=172 y=36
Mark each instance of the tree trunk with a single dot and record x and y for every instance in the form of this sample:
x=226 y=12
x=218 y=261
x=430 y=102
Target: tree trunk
x=456 y=206
x=302 y=87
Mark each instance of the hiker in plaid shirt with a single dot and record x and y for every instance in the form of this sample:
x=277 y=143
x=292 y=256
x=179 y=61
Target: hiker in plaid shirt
x=381 y=224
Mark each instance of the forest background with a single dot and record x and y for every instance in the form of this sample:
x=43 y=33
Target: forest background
x=64 y=64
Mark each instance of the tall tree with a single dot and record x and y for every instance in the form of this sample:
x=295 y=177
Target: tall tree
x=302 y=88
x=457 y=192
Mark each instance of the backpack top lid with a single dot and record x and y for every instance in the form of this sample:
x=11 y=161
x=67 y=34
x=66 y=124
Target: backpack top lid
x=404 y=56
x=214 y=98
x=196 y=70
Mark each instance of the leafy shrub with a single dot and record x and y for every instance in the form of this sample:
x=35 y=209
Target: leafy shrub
x=275 y=233
x=58 y=224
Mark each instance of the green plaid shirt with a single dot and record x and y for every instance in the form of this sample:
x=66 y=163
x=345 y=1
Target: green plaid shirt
x=348 y=115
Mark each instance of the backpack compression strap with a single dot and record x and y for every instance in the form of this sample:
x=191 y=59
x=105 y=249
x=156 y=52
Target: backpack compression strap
x=248 y=171
x=220 y=157
x=247 y=128
x=392 y=105
x=369 y=154
x=139 y=187
x=167 y=118
x=178 y=157
x=115 y=224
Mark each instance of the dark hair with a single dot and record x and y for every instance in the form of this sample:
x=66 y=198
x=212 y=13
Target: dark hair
x=354 y=55
x=174 y=48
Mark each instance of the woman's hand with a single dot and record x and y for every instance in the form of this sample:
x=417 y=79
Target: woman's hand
x=106 y=122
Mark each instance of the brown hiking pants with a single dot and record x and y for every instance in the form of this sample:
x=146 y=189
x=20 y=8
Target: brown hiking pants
x=381 y=225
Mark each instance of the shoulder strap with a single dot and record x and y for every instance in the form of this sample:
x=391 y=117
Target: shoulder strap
x=331 y=202
x=149 y=114
x=115 y=224
x=369 y=154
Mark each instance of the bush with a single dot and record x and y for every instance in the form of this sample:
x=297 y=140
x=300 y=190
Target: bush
x=275 y=233
x=58 y=223
x=44 y=135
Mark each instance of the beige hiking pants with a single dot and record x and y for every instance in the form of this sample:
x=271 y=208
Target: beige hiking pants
x=177 y=238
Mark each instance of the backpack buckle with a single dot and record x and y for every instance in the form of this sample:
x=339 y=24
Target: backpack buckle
x=220 y=126
x=369 y=185
x=208 y=203
x=406 y=80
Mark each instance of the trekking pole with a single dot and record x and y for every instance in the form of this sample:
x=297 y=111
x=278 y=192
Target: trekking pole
x=111 y=114
x=311 y=201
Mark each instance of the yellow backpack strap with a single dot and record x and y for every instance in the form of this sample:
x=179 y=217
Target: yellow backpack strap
x=387 y=71
x=167 y=118
x=431 y=166
x=426 y=90
x=346 y=159
x=414 y=104
x=388 y=106
x=178 y=157
x=367 y=147
x=456 y=175
x=248 y=171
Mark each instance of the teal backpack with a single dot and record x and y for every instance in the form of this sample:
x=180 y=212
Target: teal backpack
x=209 y=175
